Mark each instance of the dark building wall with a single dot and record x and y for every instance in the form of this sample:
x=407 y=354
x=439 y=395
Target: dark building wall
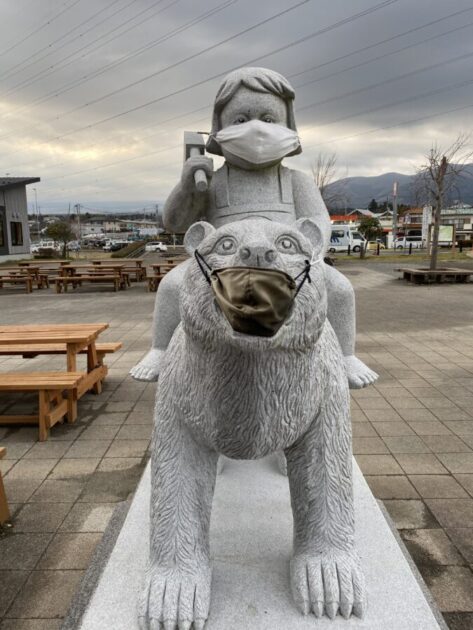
x=15 y=221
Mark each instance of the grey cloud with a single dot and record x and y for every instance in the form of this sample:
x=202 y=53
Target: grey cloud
x=36 y=151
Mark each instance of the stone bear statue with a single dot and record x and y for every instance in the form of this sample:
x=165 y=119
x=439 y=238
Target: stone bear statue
x=245 y=395
x=254 y=129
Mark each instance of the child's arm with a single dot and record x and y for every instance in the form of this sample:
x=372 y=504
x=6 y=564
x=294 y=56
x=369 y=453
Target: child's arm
x=309 y=203
x=185 y=205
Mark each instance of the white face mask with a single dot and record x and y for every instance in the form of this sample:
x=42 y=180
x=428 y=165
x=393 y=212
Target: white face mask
x=258 y=142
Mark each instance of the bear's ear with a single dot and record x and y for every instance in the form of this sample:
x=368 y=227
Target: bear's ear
x=312 y=232
x=196 y=234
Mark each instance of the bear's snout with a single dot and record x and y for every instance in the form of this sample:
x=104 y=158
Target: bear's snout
x=257 y=255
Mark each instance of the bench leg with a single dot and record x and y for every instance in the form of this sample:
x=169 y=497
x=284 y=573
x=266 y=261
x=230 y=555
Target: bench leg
x=44 y=410
x=4 y=511
x=71 y=406
x=93 y=362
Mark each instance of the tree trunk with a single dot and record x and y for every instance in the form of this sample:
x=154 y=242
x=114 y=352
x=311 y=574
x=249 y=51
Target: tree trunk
x=435 y=235
x=440 y=179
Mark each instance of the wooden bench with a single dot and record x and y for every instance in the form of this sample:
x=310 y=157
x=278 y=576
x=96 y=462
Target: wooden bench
x=426 y=276
x=154 y=280
x=26 y=280
x=27 y=351
x=4 y=511
x=50 y=386
x=62 y=282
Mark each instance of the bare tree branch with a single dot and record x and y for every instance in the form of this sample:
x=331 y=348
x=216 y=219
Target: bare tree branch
x=325 y=172
x=437 y=178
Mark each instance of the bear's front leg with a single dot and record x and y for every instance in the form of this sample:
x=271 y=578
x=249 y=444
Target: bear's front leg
x=325 y=568
x=176 y=593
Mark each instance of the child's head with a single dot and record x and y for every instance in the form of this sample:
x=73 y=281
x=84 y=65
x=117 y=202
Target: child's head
x=252 y=93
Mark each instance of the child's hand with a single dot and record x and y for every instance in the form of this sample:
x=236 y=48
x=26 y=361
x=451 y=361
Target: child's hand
x=191 y=165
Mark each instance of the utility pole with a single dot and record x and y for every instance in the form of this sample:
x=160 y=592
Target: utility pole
x=77 y=207
x=395 y=185
x=36 y=211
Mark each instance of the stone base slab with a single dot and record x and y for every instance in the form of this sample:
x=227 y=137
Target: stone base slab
x=251 y=536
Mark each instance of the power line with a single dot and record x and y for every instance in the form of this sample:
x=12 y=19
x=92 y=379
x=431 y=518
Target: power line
x=384 y=41
x=452 y=86
x=378 y=108
x=220 y=74
x=39 y=28
x=55 y=165
x=180 y=62
x=387 y=81
x=362 y=133
x=388 y=54
x=124 y=58
x=405 y=122
x=34 y=55
x=60 y=64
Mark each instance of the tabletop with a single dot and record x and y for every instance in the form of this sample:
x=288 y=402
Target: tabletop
x=51 y=333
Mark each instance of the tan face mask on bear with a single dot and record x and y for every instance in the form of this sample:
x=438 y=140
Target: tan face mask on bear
x=254 y=300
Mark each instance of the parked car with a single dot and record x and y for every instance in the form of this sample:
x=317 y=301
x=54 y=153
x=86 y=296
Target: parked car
x=73 y=246
x=373 y=246
x=342 y=237
x=156 y=246
x=35 y=247
x=114 y=246
x=403 y=242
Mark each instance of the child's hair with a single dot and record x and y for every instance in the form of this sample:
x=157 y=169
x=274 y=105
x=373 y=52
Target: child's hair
x=256 y=79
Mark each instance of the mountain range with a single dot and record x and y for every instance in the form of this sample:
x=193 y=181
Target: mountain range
x=357 y=192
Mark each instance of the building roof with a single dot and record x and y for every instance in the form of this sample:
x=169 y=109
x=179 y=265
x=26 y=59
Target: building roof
x=14 y=182
x=345 y=218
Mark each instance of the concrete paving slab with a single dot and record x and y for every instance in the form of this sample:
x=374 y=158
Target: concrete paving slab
x=251 y=547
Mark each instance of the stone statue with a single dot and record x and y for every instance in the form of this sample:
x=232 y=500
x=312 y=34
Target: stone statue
x=246 y=386
x=253 y=127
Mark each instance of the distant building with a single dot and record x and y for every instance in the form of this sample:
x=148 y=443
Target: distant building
x=461 y=216
x=14 y=228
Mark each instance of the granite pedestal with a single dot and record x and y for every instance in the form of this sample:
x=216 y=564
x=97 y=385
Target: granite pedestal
x=251 y=547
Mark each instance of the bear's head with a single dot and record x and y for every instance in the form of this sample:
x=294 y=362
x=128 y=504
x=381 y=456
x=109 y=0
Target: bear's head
x=258 y=244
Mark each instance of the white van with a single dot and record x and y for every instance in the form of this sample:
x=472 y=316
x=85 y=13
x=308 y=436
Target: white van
x=404 y=242
x=35 y=247
x=342 y=237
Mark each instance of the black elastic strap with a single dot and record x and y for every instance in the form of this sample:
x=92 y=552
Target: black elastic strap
x=306 y=273
x=200 y=259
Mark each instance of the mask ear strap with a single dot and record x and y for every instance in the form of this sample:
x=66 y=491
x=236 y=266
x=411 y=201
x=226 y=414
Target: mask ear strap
x=306 y=273
x=200 y=259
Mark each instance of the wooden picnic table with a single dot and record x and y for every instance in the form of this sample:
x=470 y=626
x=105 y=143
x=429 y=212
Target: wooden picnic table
x=114 y=272
x=43 y=263
x=128 y=261
x=160 y=267
x=34 y=272
x=77 y=338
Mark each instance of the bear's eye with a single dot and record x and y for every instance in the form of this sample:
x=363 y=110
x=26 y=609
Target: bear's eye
x=267 y=119
x=287 y=245
x=225 y=246
x=239 y=120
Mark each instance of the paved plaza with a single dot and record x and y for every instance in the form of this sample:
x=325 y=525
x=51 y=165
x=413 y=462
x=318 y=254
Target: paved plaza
x=413 y=439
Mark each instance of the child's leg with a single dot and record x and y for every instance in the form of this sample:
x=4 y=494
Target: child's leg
x=341 y=314
x=165 y=320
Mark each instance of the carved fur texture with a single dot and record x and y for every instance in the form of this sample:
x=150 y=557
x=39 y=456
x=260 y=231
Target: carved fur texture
x=223 y=392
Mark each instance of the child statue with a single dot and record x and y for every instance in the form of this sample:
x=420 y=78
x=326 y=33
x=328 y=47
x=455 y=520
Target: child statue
x=254 y=129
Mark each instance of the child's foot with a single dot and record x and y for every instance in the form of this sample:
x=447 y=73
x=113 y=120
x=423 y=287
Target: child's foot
x=148 y=368
x=359 y=374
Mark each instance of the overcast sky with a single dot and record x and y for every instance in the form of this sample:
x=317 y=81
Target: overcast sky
x=366 y=88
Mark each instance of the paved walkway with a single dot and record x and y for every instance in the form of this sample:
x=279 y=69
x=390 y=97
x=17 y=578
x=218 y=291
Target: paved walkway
x=413 y=438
